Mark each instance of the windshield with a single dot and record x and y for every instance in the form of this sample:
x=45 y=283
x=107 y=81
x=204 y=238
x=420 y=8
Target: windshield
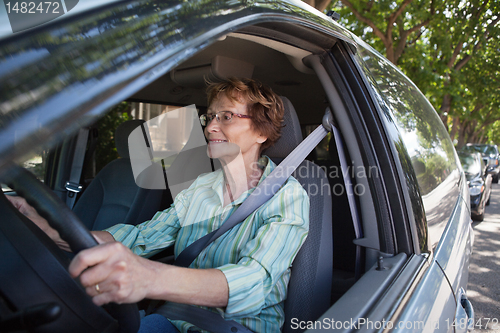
x=471 y=165
x=483 y=149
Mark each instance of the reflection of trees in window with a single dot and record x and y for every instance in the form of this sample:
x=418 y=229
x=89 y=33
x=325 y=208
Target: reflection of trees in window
x=85 y=52
x=436 y=169
x=413 y=113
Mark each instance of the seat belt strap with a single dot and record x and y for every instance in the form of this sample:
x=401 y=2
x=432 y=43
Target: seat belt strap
x=262 y=193
x=201 y=318
x=73 y=186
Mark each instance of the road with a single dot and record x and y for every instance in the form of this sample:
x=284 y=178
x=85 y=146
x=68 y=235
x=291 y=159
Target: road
x=484 y=274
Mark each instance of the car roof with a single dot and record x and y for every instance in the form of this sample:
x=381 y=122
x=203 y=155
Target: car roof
x=481 y=145
x=469 y=153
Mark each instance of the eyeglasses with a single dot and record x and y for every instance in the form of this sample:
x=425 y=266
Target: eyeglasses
x=223 y=117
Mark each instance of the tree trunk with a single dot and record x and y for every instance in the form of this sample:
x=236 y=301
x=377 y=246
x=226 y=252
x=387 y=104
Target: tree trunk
x=318 y=4
x=482 y=139
x=472 y=133
x=322 y=4
x=445 y=109
x=461 y=136
x=454 y=128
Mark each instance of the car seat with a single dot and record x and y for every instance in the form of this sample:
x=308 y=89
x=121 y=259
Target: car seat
x=113 y=196
x=311 y=279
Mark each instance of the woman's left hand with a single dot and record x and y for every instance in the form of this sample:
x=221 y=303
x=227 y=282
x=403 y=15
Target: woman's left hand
x=110 y=272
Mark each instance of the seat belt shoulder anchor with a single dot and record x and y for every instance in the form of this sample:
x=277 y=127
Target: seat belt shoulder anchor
x=328 y=120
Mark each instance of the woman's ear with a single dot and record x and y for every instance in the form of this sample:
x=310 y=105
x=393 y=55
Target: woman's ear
x=261 y=139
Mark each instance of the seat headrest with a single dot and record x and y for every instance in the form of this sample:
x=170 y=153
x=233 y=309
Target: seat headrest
x=122 y=133
x=291 y=133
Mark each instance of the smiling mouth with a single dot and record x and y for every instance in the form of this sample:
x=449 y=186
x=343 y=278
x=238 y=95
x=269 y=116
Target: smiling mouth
x=218 y=141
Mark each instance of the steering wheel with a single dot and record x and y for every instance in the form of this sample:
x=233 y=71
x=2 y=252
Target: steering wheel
x=43 y=265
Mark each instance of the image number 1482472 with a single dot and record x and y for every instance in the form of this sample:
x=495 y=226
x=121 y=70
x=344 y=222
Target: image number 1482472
x=24 y=7
x=28 y=14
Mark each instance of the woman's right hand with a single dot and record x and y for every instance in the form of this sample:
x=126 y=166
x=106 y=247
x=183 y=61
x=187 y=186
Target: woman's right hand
x=27 y=210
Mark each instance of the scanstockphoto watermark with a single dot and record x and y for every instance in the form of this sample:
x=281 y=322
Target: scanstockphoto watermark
x=360 y=323
x=341 y=181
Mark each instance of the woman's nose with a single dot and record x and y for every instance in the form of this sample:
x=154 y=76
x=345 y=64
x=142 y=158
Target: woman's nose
x=213 y=125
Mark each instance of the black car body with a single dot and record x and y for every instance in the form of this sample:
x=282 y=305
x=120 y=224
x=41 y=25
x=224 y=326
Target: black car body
x=397 y=260
x=479 y=179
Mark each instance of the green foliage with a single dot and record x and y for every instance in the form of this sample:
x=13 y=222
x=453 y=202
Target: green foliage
x=494 y=133
x=450 y=49
x=436 y=169
x=106 y=149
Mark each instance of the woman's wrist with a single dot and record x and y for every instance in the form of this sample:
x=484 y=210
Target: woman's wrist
x=102 y=237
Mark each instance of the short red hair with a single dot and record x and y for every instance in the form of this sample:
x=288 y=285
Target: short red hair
x=263 y=105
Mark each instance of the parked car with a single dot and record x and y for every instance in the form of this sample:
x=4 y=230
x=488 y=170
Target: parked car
x=490 y=155
x=479 y=180
x=390 y=234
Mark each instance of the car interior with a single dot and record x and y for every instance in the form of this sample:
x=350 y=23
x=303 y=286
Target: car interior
x=331 y=261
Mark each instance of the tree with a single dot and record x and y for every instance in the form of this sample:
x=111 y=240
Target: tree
x=480 y=98
x=457 y=34
x=389 y=26
x=444 y=47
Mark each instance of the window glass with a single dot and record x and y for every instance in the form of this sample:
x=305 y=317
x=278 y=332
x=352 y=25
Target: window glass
x=106 y=150
x=177 y=124
x=36 y=164
x=420 y=136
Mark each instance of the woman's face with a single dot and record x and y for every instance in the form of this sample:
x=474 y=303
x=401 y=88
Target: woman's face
x=226 y=140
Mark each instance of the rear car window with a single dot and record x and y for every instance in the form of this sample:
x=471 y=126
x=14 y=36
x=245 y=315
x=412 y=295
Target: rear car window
x=106 y=150
x=37 y=165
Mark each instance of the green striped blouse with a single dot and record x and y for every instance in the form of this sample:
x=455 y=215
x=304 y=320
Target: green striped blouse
x=255 y=255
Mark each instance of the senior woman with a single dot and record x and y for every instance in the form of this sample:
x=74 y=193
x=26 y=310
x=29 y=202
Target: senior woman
x=244 y=273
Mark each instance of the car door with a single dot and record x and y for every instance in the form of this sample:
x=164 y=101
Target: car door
x=400 y=239
x=439 y=289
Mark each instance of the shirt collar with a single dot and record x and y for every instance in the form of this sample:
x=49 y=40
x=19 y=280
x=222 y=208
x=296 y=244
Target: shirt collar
x=219 y=182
